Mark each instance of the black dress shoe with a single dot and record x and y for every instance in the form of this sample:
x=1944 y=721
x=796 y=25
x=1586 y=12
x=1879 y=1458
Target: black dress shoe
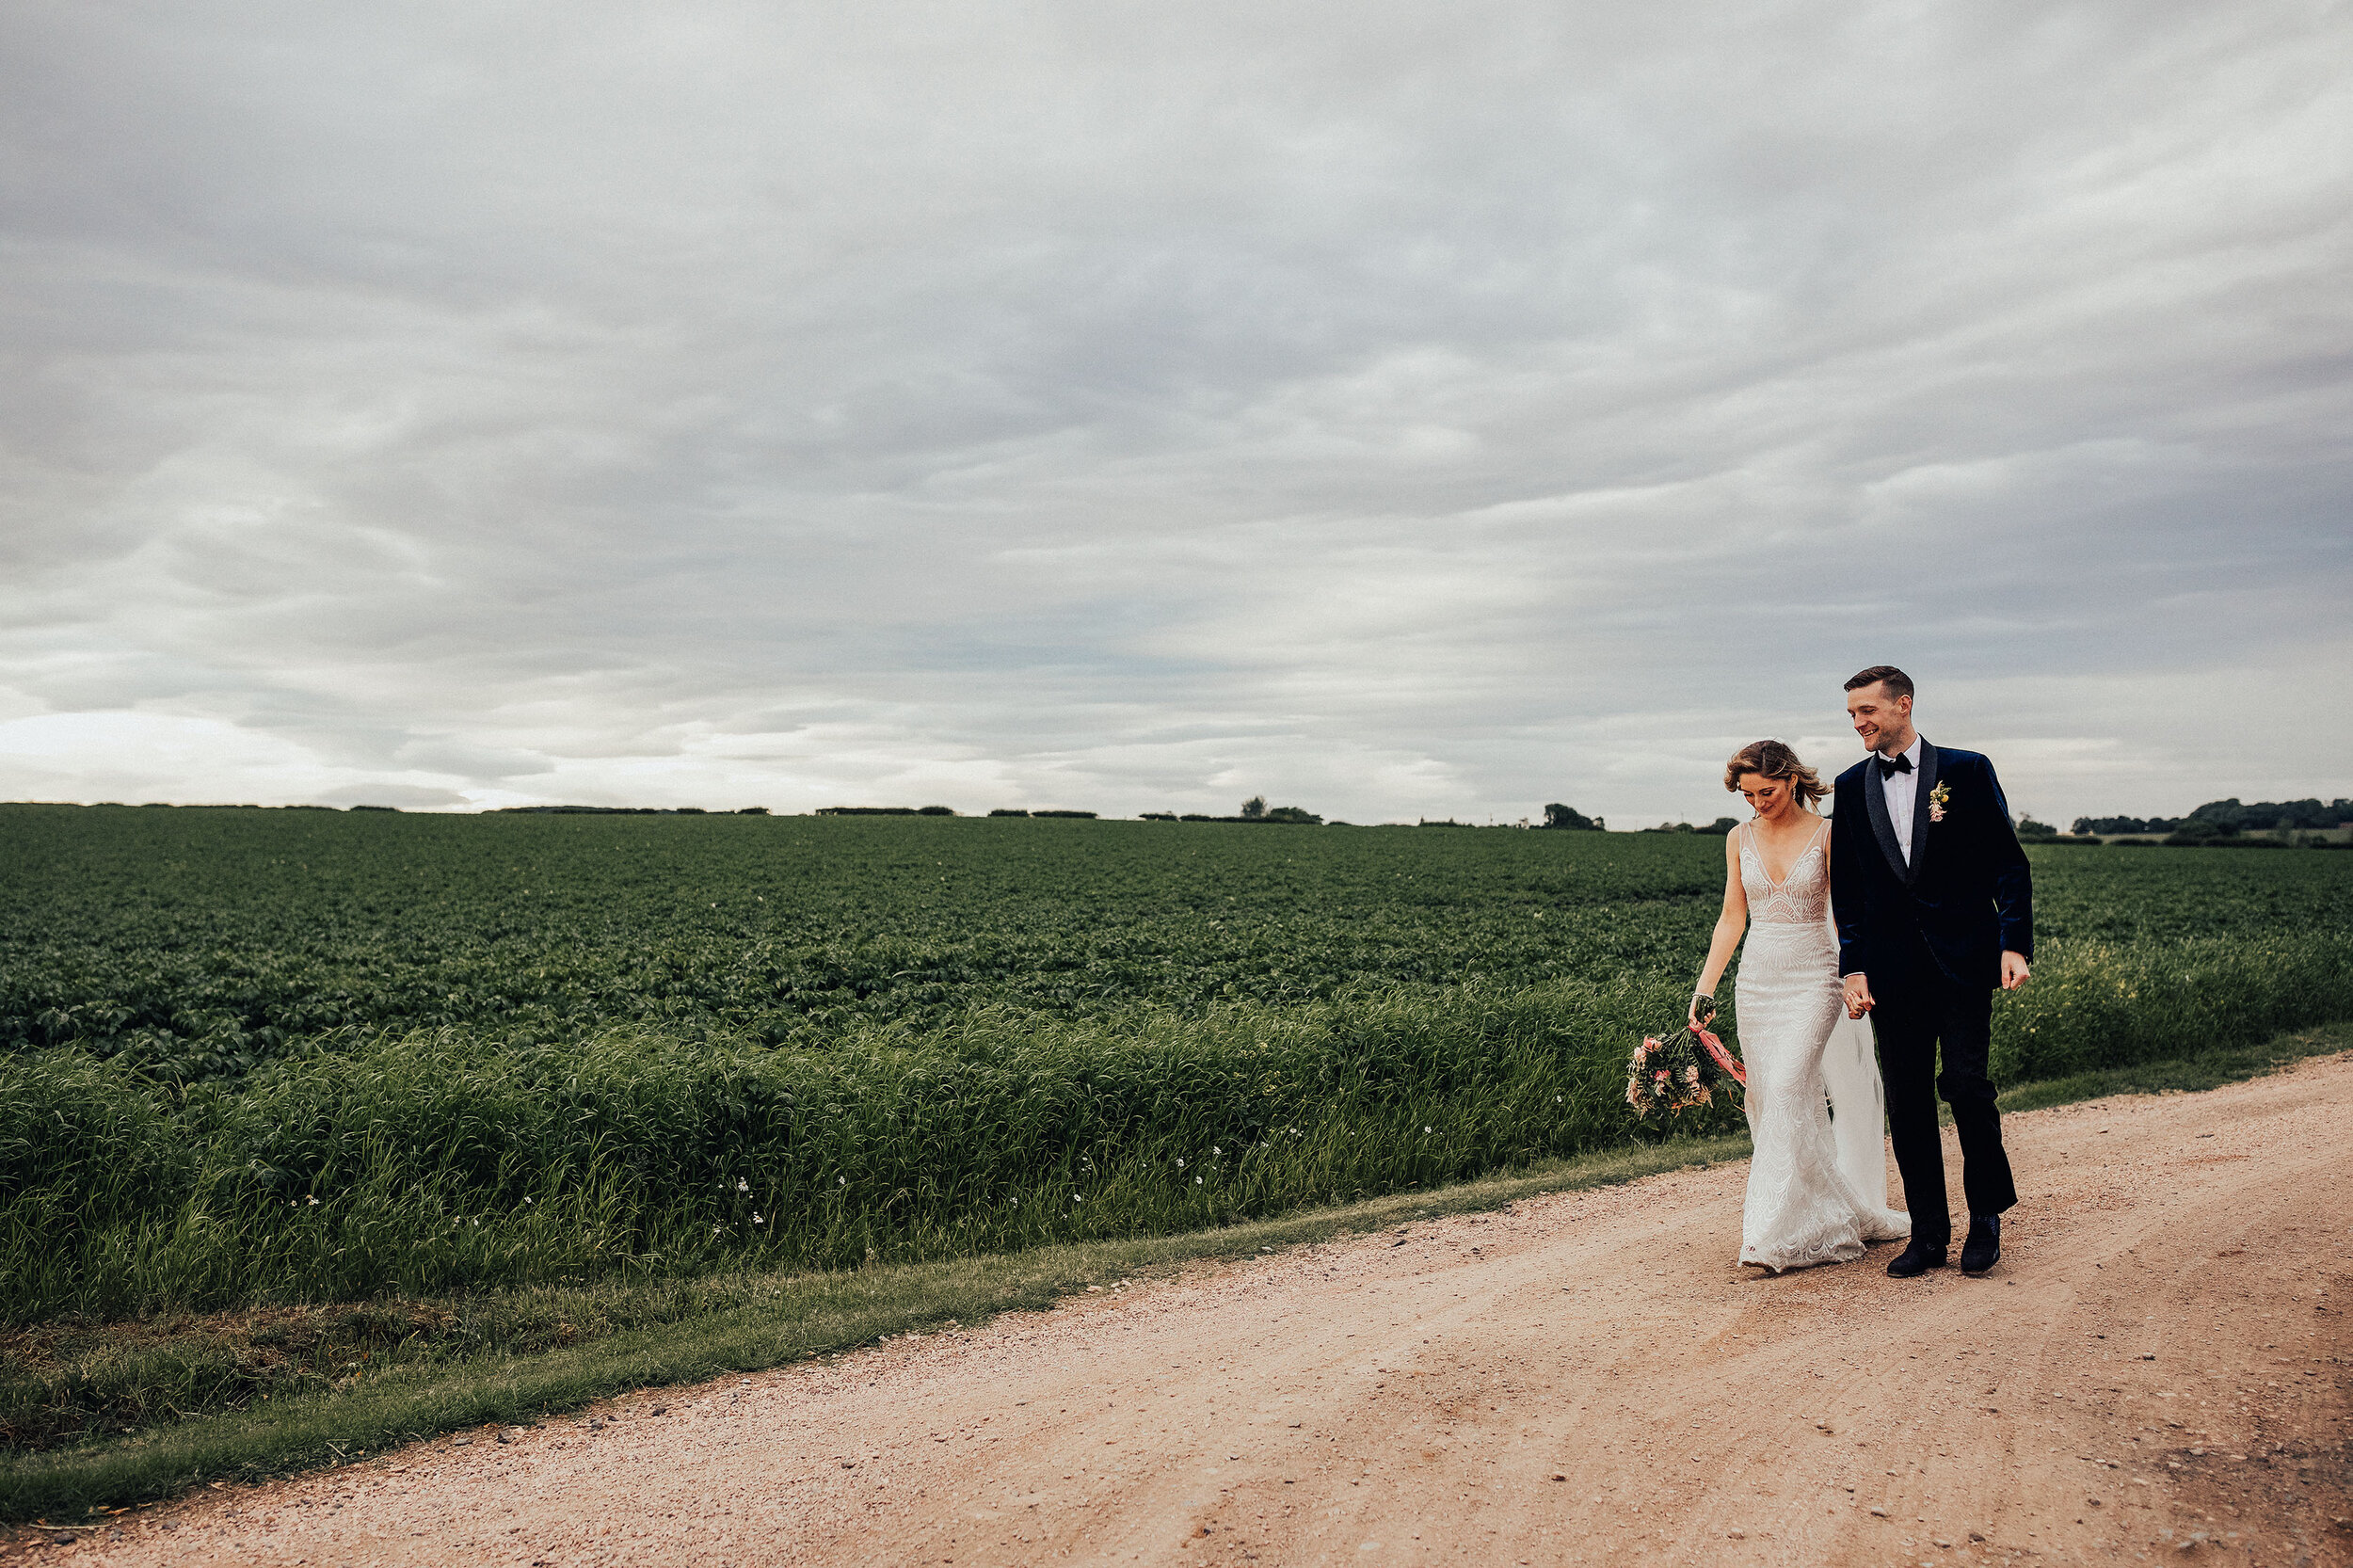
x=1984 y=1247
x=1916 y=1260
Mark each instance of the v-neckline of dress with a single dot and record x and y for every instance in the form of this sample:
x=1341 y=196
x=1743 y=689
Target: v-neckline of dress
x=1778 y=883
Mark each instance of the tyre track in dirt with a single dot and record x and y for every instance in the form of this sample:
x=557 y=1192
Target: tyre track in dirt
x=1585 y=1377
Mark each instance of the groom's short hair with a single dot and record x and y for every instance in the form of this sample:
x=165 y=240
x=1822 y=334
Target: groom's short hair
x=1896 y=681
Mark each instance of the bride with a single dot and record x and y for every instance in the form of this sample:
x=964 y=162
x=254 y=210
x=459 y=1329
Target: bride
x=1812 y=1197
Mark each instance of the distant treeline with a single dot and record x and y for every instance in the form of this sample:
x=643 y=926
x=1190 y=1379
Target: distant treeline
x=2217 y=821
x=607 y=810
x=2228 y=818
x=1292 y=814
x=195 y=805
x=886 y=810
x=1255 y=810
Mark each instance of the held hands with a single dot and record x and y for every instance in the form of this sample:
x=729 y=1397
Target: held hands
x=1858 y=995
x=2014 y=970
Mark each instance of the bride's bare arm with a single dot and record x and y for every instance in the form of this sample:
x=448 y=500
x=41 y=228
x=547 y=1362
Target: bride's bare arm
x=1729 y=926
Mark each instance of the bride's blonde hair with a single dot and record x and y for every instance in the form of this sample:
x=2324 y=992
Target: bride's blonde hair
x=1774 y=759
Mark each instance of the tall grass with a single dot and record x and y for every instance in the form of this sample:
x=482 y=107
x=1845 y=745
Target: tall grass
x=449 y=1160
x=444 y=1161
x=2095 y=1004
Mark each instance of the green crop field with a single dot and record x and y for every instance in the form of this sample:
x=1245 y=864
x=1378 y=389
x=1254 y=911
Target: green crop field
x=353 y=1111
x=253 y=1056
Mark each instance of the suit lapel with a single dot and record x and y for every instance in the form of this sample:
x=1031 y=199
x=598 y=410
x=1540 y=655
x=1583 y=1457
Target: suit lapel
x=1875 y=800
x=1920 y=810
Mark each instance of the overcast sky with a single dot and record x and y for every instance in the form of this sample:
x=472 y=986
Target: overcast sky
x=1398 y=410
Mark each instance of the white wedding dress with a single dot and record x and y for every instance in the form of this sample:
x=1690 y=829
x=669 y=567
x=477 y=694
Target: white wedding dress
x=1813 y=1196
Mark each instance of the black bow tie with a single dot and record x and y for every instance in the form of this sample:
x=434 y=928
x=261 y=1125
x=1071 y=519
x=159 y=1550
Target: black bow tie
x=1891 y=766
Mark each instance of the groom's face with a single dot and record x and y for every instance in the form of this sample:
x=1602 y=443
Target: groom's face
x=1883 y=722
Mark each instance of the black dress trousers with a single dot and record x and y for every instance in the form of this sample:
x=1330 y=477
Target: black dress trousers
x=1921 y=1011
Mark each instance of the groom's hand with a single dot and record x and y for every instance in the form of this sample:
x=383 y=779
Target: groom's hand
x=2014 y=970
x=1858 y=995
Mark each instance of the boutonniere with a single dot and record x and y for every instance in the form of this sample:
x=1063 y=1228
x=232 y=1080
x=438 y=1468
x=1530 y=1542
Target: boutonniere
x=1938 y=799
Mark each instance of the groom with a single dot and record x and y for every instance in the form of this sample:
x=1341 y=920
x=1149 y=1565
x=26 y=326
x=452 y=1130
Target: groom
x=1934 y=908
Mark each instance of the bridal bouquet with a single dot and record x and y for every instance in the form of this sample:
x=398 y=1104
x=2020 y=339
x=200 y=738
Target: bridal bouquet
x=1681 y=1071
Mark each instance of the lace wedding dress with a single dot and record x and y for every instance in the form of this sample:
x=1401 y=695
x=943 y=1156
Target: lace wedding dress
x=1807 y=1205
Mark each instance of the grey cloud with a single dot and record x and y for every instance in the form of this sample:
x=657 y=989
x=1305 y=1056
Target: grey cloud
x=1398 y=410
x=448 y=754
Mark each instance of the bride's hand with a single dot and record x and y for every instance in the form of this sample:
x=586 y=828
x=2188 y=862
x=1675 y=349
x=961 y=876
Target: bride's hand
x=1698 y=1022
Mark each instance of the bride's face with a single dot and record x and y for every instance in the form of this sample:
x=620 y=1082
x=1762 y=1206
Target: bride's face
x=1769 y=799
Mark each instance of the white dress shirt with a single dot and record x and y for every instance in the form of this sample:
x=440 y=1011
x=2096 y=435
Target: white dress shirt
x=1902 y=789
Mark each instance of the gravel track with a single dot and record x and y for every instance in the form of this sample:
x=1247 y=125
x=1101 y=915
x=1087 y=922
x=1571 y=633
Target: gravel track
x=1583 y=1378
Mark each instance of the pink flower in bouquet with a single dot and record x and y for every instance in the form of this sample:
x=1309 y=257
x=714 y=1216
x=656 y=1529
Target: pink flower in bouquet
x=1723 y=1058
x=1691 y=1073
x=1660 y=1075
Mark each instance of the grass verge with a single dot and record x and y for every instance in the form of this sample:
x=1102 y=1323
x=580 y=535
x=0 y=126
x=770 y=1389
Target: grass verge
x=718 y=1325
x=2207 y=1069
x=496 y=1364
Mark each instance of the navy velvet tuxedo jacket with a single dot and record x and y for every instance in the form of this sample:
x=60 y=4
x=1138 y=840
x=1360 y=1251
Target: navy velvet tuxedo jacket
x=1967 y=893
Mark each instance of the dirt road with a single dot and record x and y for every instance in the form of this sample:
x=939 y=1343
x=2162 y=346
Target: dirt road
x=1585 y=1378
